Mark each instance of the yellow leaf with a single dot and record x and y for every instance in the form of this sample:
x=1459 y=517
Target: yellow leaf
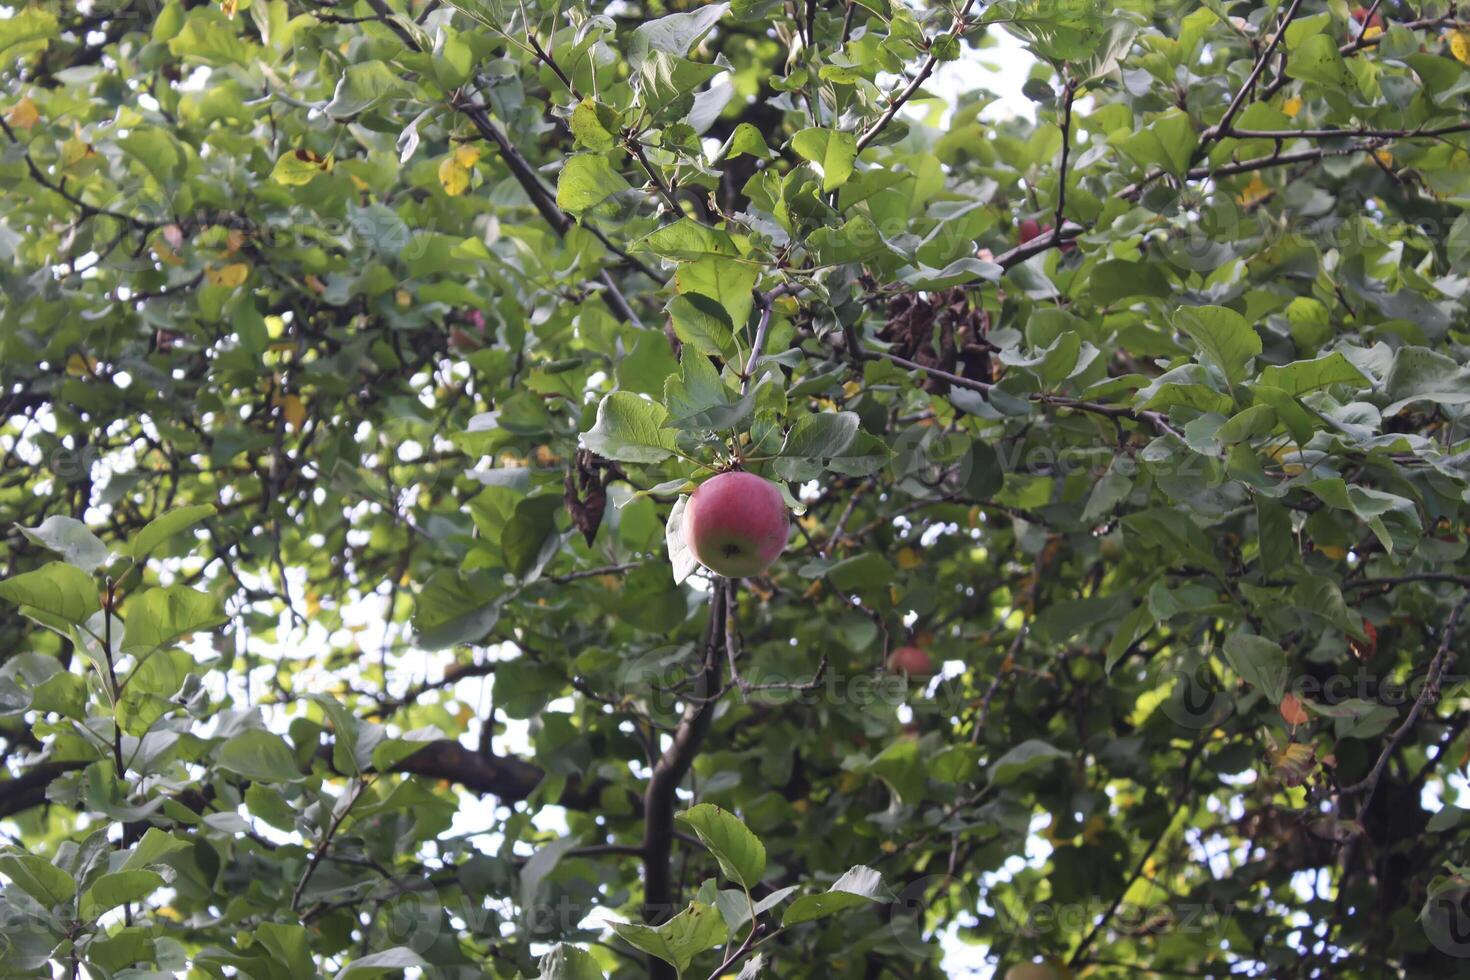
x=233 y=240
x=1254 y=192
x=1384 y=157
x=1333 y=551
x=231 y=275
x=403 y=298
x=466 y=156
x=297 y=168
x=293 y=410
x=908 y=559
x=888 y=847
x=1292 y=106
x=1293 y=763
x=454 y=176
x=1460 y=46
x=75 y=152
x=81 y=365
x=164 y=254
x=229 y=7
x=23 y=114
x=359 y=183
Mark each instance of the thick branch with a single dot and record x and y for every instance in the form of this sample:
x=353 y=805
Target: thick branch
x=669 y=771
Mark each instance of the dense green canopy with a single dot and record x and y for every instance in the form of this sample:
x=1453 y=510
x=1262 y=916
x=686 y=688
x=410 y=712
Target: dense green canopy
x=356 y=359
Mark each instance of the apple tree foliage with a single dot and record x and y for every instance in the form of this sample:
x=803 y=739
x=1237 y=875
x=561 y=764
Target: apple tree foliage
x=356 y=359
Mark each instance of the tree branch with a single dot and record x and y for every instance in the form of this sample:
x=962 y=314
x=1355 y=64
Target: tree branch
x=1222 y=128
x=1369 y=784
x=669 y=771
x=925 y=70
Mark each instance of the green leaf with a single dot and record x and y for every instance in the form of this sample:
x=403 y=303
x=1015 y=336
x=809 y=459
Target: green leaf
x=71 y=540
x=832 y=151
x=28 y=29
x=1317 y=60
x=158 y=531
x=859 y=886
x=153 y=848
x=210 y=38
x=160 y=617
x=566 y=962
x=289 y=945
x=1300 y=377
x=821 y=435
x=361 y=86
x=595 y=126
x=586 y=180
x=55 y=589
x=703 y=323
x=1029 y=755
x=727 y=283
x=698 y=399
x=388 y=961
x=740 y=853
x=38 y=878
x=688 y=239
x=258 y=756
x=866 y=572
x=674 y=34
x=681 y=559
x=1420 y=374
x=1114 y=280
x=630 y=429
x=1168 y=142
x=118 y=888
x=748 y=141
x=694 y=930
x=1260 y=661
x=530 y=538
x=1223 y=336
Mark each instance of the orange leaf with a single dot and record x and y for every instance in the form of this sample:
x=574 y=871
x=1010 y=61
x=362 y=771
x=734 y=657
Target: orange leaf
x=1293 y=711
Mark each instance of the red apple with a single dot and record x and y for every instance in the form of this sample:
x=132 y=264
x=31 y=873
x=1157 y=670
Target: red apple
x=461 y=342
x=914 y=661
x=736 y=524
x=1361 y=13
x=1031 y=228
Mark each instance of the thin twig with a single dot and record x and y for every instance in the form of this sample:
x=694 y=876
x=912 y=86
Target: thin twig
x=925 y=70
x=1369 y=784
x=1222 y=128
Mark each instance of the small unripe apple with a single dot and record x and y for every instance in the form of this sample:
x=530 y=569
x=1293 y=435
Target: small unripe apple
x=914 y=661
x=736 y=524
